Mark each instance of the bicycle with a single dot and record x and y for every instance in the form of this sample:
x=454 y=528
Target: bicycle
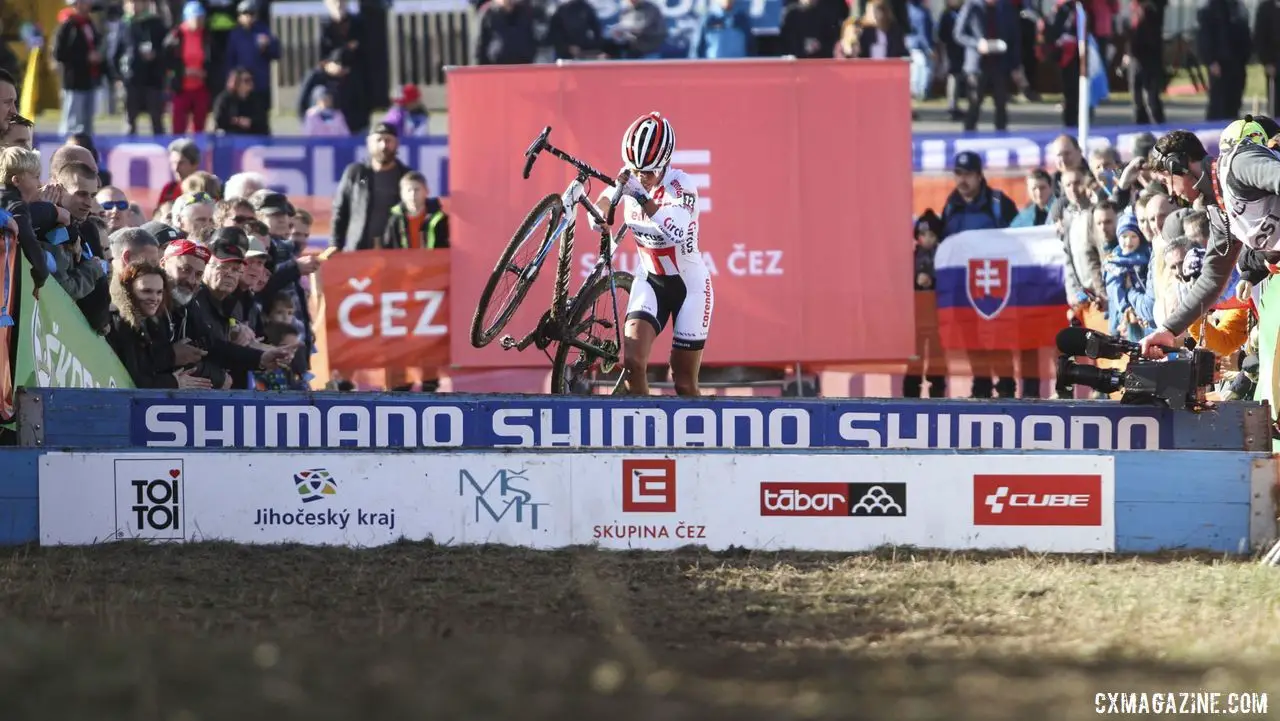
x=572 y=322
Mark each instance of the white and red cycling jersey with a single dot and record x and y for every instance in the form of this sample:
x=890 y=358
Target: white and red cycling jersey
x=671 y=280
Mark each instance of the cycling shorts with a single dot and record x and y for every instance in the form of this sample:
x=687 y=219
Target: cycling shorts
x=687 y=297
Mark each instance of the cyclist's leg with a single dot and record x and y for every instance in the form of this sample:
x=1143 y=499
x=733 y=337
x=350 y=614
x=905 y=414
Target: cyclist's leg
x=642 y=326
x=689 y=331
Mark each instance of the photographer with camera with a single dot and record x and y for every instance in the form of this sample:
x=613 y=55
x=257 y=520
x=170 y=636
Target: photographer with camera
x=1241 y=193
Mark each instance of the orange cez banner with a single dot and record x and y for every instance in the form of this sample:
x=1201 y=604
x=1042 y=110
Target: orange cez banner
x=803 y=176
x=386 y=309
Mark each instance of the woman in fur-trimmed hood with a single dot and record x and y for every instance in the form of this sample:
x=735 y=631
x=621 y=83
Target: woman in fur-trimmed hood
x=139 y=293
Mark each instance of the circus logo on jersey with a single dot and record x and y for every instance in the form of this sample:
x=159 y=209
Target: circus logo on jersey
x=988 y=285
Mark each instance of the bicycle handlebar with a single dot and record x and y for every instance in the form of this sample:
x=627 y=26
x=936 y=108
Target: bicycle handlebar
x=541 y=145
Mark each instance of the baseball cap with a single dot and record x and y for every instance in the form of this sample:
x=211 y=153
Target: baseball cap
x=257 y=249
x=193 y=9
x=186 y=247
x=247 y=7
x=968 y=161
x=385 y=129
x=163 y=232
x=269 y=201
x=228 y=244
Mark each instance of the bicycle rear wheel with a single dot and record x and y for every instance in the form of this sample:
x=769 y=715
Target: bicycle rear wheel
x=515 y=274
x=576 y=371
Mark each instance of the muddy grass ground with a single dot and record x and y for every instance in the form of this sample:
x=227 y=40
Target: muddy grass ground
x=422 y=632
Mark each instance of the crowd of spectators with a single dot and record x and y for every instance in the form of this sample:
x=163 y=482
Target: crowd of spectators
x=211 y=290
x=1132 y=251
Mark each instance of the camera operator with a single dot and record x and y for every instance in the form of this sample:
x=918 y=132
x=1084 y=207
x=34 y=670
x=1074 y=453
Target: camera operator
x=1241 y=193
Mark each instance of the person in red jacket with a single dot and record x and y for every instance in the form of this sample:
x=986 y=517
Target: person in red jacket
x=190 y=58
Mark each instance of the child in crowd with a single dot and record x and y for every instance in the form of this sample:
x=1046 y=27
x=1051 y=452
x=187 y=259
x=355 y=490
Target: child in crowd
x=418 y=221
x=283 y=378
x=1125 y=270
x=322 y=119
x=928 y=228
x=20 y=173
x=408 y=114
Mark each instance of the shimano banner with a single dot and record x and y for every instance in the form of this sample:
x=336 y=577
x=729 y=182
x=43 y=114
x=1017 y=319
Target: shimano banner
x=342 y=421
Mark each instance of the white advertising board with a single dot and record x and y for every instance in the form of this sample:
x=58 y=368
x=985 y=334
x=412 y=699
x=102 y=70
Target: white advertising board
x=821 y=501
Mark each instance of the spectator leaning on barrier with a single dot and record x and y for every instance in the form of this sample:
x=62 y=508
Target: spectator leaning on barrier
x=139 y=294
x=184 y=159
x=78 y=272
x=251 y=46
x=140 y=66
x=808 y=30
x=1040 y=192
x=78 y=51
x=189 y=54
x=238 y=110
x=417 y=221
x=574 y=31
x=20 y=175
x=286 y=269
x=724 y=31
x=366 y=193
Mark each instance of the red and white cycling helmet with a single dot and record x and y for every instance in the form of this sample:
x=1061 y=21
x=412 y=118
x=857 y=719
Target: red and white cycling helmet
x=648 y=143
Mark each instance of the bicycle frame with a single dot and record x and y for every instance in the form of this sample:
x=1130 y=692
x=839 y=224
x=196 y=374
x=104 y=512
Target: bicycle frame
x=568 y=221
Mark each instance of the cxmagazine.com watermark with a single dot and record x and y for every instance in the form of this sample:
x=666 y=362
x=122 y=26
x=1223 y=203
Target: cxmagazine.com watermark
x=1198 y=703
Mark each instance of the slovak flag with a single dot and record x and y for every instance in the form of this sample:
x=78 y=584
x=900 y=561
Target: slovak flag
x=1001 y=289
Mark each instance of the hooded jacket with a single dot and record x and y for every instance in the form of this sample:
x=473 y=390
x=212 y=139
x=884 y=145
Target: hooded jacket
x=137 y=340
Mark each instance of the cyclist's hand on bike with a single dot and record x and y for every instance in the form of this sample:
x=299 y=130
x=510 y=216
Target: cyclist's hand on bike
x=630 y=185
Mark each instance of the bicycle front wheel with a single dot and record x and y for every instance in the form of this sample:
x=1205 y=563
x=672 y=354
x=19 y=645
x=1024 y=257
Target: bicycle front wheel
x=577 y=371
x=516 y=270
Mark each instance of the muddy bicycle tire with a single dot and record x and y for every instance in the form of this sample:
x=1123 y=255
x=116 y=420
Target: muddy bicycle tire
x=581 y=304
x=481 y=337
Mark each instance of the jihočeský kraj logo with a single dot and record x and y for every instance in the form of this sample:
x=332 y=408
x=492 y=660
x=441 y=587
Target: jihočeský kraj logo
x=315 y=488
x=149 y=499
x=503 y=498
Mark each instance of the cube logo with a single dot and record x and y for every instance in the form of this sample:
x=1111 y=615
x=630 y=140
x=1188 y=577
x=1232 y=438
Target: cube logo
x=1037 y=500
x=794 y=498
x=649 y=485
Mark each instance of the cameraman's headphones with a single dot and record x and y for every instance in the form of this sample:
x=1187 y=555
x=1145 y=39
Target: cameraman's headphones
x=1174 y=163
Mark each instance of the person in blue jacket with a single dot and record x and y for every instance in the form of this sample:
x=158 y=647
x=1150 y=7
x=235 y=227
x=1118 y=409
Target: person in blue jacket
x=250 y=45
x=723 y=32
x=920 y=46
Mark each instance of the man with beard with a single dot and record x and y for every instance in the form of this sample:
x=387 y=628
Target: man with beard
x=184 y=262
x=367 y=192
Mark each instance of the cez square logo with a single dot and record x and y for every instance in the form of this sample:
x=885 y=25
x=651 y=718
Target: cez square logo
x=1037 y=500
x=649 y=485
x=149 y=499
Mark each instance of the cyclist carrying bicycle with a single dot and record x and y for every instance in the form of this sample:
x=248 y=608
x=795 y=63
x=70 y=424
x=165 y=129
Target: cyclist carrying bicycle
x=660 y=208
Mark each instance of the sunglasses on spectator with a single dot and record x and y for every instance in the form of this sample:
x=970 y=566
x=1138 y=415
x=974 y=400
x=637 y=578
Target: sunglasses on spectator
x=200 y=197
x=242 y=219
x=115 y=205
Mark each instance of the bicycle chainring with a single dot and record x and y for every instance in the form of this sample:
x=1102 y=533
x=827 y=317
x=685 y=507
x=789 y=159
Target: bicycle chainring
x=607 y=366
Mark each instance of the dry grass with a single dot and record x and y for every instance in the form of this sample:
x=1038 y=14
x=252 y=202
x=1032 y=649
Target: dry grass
x=413 y=631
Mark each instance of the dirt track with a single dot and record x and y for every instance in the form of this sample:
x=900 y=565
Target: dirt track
x=413 y=632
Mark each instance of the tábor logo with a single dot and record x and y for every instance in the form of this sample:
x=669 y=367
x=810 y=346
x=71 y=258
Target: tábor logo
x=149 y=495
x=649 y=485
x=1037 y=500
x=781 y=498
x=314 y=484
x=878 y=499
x=501 y=499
